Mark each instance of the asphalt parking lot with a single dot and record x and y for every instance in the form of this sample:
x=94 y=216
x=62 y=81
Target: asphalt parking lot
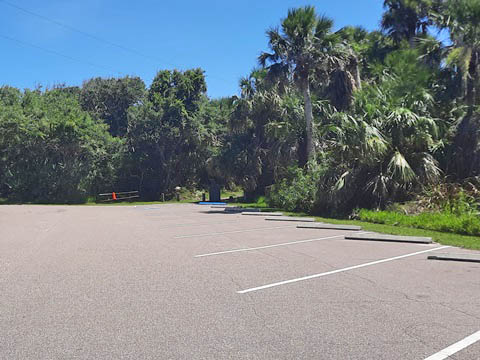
x=179 y=282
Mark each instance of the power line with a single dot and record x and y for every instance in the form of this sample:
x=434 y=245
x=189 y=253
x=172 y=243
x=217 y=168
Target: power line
x=84 y=33
x=59 y=54
x=95 y=37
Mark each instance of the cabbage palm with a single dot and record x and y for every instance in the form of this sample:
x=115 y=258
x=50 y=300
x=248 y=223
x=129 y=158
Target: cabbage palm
x=383 y=147
x=462 y=19
x=266 y=125
x=298 y=49
x=405 y=19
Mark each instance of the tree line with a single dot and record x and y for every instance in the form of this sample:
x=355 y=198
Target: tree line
x=329 y=120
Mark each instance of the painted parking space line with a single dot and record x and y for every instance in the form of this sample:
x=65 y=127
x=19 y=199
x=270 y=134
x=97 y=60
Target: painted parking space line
x=269 y=246
x=164 y=217
x=232 y=232
x=197 y=224
x=151 y=208
x=458 y=346
x=309 y=277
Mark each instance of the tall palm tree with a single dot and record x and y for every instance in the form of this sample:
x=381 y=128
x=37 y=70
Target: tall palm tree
x=405 y=19
x=297 y=50
x=265 y=125
x=462 y=19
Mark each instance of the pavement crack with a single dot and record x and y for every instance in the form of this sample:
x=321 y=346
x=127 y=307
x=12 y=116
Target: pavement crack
x=377 y=284
x=303 y=254
x=409 y=298
x=250 y=304
x=458 y=310
x=261 y=318
x=408 y=333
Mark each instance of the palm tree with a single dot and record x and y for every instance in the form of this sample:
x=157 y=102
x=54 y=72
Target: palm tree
x=264 y=129
x=384 y=146
x=298 y=49
x=462 y=19
x=405 y=19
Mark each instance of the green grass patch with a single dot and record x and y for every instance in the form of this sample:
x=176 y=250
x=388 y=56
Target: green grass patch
x=229 y=193
x=260 y=203
x=464 y=224
x=468 y=242
x=464 y=241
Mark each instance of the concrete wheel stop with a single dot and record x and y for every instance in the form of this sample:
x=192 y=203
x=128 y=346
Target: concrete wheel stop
x=475 y=258
x=324 y=226
x=257 y=212
x=231 y=210
x=290 y=218
x=390 y=238
x=241 y=210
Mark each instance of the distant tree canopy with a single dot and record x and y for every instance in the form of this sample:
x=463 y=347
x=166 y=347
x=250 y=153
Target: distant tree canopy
x=64 y=144
x=110 y=99
x=331 y=120
x=166 y=137
x=50 y=148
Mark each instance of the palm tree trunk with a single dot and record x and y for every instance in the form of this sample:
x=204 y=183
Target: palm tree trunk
x=471 y=83
x=308 y=120
x=356 y=71
x=411 y=42
x=466 y=141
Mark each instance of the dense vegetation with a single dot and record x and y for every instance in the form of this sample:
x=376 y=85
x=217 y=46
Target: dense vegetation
x=330 y=121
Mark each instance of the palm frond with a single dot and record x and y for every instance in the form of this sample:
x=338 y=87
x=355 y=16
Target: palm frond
x=400 y=168
x=374 y=140
x=341 y=182
x=300 y=23
x=324 y=26
x=430 y=168
x=265 y=58
x=378 y=186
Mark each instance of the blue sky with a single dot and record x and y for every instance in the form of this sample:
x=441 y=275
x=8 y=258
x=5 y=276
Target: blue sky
x=222 y=37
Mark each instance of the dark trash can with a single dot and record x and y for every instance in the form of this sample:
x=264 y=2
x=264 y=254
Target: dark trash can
x=214 y=193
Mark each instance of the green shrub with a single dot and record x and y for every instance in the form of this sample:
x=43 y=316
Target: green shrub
x=51 y=151
x=297 y=191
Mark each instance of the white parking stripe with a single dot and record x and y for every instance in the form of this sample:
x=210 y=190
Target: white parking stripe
x=197 y=224
x=232 y=232
x=271 y=246
x=452 y=349
x=339 y=270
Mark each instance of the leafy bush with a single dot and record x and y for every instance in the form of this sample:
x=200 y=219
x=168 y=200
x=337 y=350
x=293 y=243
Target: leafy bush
x=468 y=224
x=451 y=198
x=51 y=150
x=298 y=190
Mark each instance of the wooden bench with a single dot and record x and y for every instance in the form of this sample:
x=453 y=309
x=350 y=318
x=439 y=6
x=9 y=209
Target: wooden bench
x=118 y=196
